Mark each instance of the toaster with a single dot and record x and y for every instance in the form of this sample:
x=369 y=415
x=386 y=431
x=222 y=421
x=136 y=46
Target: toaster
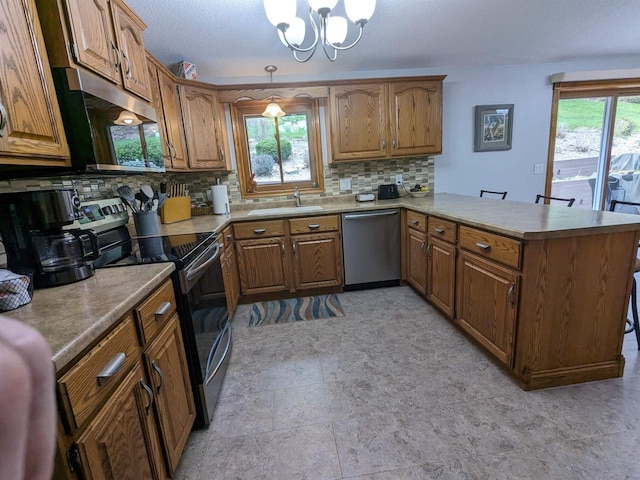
x=388 y=191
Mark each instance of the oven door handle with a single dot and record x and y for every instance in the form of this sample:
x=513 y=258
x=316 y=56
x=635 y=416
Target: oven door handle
x=194 y=273
x=227 y=330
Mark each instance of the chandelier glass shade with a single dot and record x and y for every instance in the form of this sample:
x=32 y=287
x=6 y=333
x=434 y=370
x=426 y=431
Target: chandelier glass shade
x=127 y=118
x=329 y=30
x=273 y=110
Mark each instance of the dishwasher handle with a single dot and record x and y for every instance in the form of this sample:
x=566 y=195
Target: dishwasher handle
x=357 y=216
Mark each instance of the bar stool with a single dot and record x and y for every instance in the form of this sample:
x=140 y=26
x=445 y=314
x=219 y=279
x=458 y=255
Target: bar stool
x=632 y=325
x=503 y=194
x=568 y=200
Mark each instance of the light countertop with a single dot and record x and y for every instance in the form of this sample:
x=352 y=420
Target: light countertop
x=71 y=317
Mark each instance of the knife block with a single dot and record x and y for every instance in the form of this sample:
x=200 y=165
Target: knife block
x=176 y=209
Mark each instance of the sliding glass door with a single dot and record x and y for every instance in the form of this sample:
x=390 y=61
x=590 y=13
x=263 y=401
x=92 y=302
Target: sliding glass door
x=595 y=149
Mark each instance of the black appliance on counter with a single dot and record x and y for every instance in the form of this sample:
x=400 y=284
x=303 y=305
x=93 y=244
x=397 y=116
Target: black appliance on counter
x=199 y=289
x=32 y=230
x=388 y=192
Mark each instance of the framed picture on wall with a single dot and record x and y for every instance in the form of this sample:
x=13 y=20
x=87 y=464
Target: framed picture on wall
x=493 y=127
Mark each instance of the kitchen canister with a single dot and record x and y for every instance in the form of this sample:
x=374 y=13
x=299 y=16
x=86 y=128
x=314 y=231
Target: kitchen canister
x=220 y=199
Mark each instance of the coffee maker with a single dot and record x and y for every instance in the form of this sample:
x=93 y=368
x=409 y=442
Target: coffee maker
x=35 y=242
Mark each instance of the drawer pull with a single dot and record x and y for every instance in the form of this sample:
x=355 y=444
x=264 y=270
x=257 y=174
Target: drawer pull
x=512 y=287
x=163 y=309
x=483 y=246
x=112 y=368
x=259 y=231
x=415 y=222
x=3 y=119
x=160 y=374
x=314 y=226
x=439 y=230
x=147 y=389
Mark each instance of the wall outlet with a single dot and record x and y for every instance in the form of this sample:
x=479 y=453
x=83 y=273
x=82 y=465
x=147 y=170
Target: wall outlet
x=345 y=184
x=399 y=179
x=538 y=168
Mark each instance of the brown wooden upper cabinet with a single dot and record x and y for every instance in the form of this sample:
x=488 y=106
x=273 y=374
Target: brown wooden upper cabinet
x=167 y=105
x=31 y=131
x=385 y=120
x=104 y=36
x=201 y=115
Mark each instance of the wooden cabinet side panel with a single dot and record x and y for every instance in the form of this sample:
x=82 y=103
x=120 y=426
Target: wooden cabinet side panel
x=358 y=122
x=487 y=304
x=575 y=293
x=417 y=260
x=91 y=28
x=174 y=398
x=317 y=261
x=442 y=271
x=33 y=123
x=416 y=118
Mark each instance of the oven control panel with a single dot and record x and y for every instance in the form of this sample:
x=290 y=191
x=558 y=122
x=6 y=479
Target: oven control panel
x=100 y=215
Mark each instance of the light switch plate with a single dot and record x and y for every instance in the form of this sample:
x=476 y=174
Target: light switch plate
x=538 y=168
x=345 y=184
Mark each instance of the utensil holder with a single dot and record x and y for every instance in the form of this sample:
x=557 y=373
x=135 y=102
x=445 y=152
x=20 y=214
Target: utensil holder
x=146 y=223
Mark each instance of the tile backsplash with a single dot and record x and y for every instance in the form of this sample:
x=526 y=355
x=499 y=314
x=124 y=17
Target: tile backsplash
x=365 y=177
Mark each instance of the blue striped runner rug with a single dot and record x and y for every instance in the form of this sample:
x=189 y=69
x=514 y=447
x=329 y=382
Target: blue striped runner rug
x=295 y=310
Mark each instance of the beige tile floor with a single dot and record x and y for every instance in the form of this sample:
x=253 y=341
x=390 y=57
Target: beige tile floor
x=393 y=391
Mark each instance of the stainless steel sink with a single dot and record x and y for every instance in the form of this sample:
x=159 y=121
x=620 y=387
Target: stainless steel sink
x=285 y=210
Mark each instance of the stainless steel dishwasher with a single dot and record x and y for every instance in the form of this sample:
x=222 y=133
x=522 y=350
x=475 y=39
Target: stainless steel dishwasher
x=371 y=246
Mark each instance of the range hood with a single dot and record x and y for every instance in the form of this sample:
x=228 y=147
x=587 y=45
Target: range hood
x=90 y=107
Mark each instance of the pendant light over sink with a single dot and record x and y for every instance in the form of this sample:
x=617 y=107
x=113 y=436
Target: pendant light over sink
x=273 y=110
x=329 y=30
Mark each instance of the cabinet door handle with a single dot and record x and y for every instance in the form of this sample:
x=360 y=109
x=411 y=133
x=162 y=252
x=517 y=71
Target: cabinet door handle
x=314 y=226
x=430 y=249
x=3 y=119
x=384 y=144
x=439 y=230
x=483 y=246
x=282 y=248
x=112 y=368
x=293 y=247
x=160 y=374
x=116 y=66
x=221 y=150
x=162 y=309
x=512 y=287
x=422 y=247
x=259 y=231
x=147 y=389
x=394 y=144
x=128 y=70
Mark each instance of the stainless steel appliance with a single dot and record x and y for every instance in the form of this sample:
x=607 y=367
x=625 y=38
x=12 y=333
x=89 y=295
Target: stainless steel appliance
x=371 y=246
x=199 y=290
x=98 y=137
x=31 y=226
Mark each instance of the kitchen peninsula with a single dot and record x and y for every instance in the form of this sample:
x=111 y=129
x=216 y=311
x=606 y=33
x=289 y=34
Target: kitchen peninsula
x=571 y=271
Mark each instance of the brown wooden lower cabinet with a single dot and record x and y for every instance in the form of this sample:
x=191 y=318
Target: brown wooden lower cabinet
x=167 y=366
x=487 y=304
x=317 y=260
x=441 y=283
x=416 y=245
x=133 y=425
x=263 y=265
x=118 y=443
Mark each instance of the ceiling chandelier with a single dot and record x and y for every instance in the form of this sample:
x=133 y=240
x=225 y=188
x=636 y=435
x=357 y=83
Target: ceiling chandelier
x=328 y=30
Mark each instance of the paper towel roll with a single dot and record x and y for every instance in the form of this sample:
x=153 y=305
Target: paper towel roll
x=220 y=199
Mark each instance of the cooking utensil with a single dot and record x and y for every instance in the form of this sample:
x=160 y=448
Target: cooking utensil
x=128 y=197
x=162 y=197
x=148 y=191
x=142 y=198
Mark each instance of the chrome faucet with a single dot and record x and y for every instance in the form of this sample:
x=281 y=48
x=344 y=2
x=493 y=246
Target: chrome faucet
x=296 y=195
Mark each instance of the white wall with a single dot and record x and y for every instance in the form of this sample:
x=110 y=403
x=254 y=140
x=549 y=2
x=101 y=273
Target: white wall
x=461 y=170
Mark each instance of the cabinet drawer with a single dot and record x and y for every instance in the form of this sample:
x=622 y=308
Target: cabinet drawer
x=417 y=220
x=442 y=229
x=93 y=378
x=155 y=311
x=501 y=249
x=327 y=223
x=269 y=228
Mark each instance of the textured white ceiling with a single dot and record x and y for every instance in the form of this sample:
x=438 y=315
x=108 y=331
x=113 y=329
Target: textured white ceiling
x=231 y=41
